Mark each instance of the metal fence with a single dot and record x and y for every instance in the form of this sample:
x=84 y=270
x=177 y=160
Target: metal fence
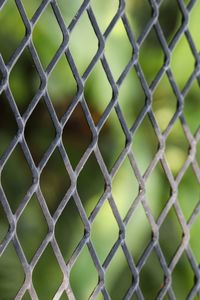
x=134 y=289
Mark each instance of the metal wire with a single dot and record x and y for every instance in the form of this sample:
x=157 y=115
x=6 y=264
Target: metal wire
x=166 y=290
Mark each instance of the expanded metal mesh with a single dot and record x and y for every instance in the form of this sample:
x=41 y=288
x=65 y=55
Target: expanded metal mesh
x=100 y=291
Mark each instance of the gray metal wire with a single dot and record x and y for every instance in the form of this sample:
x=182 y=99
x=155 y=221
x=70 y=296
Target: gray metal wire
x=166 y=290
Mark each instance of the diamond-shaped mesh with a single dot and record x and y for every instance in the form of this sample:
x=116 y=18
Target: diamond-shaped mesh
x=99 y=149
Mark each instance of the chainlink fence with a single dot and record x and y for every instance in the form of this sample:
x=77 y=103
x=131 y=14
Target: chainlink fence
x=100 y=150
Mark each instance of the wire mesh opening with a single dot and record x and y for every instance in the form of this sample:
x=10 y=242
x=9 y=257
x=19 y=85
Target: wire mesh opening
x=99 y=149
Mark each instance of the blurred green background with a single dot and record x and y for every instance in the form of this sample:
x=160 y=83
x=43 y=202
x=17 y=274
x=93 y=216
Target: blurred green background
x=16 y=176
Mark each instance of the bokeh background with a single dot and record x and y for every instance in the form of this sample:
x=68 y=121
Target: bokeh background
x=16 y=176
